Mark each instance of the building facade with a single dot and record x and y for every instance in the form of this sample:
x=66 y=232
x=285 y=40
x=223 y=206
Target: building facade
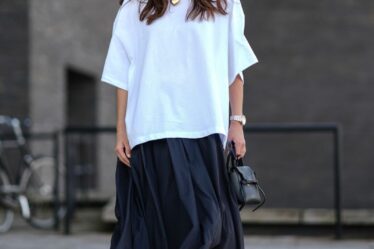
x=315 y=66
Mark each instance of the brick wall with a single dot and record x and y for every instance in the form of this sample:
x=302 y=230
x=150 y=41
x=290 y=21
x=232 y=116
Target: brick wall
x=315 y=66
x=14 y=58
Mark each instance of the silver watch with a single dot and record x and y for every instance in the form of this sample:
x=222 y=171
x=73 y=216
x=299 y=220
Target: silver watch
x=240 y=118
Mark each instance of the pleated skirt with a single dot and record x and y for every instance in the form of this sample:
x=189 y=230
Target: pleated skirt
x=176 y=196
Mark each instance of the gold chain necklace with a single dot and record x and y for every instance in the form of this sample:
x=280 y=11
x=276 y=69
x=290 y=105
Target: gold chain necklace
x=174 y=2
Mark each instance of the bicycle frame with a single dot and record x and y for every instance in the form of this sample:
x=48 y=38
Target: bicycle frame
x=19 y=186
x=20 y=143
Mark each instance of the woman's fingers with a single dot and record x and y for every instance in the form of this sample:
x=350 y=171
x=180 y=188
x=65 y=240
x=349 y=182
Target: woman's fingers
x=120 y=151
x=120 y=154
x=127 y=153
x=240 y=148
x=127 y=150
x=242 y=151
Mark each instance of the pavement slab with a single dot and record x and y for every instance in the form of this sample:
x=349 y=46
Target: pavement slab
x=35 y=239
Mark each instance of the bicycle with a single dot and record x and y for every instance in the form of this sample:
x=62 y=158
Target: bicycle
x=32 y=191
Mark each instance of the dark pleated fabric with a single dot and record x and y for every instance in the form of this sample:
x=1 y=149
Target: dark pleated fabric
x=176 y=196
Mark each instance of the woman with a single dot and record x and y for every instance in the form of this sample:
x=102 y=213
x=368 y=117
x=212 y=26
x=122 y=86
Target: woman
x=178 y=70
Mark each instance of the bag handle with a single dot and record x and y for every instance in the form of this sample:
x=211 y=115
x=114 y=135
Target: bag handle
x=239 y=162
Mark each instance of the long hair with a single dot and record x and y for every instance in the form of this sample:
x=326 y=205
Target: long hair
x=202 y=8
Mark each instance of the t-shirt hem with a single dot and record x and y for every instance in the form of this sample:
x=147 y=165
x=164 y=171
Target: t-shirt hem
x=240 y=69
x=169 y=134
x=114 y=82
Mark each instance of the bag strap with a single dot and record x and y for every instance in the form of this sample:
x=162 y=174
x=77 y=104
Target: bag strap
x=239 y=162
x=232 y=157
x=263 y=198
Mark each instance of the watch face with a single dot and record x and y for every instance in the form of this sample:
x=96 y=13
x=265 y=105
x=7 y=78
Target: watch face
x=244 y=120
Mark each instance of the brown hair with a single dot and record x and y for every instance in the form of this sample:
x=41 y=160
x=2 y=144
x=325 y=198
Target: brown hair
x=203 y=8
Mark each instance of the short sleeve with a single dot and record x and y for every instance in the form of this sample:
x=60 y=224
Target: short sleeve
x=117 y=62
x=241 y=55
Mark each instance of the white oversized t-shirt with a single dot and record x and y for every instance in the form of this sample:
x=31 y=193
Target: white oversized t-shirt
x=177 y=73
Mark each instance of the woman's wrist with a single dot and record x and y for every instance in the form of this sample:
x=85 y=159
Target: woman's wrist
x=121 y=129
x=236 y=123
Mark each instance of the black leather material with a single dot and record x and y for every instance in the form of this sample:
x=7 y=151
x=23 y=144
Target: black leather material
x=243 y=181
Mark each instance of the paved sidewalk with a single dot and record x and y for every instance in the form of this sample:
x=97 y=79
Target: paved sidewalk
x=22 y=236
x=35 y=239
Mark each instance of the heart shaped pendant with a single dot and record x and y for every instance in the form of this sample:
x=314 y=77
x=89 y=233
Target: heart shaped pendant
x=174 y=2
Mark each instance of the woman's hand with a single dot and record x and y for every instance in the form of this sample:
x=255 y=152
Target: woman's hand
x=122 y=147
x=236 y=134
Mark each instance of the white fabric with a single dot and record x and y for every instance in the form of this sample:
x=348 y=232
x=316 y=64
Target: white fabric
x=177 y=73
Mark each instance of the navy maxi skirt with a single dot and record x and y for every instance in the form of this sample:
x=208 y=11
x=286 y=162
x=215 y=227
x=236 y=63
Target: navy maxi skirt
x=176 y=196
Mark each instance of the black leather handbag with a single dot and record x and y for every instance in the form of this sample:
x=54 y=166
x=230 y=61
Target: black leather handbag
x=243 y=181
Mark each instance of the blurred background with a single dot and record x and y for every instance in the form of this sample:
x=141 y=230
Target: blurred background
x=309 y=105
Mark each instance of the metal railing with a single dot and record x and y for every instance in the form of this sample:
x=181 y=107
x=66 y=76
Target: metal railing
x=70 y=185
x=9 y=139
x=55 y=138
x=328 y=128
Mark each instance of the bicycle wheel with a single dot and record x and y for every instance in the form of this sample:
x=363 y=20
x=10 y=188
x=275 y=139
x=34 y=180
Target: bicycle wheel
x=39 y=189
x=6 y=214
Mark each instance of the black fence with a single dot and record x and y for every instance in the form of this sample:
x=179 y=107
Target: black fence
x=71 y=173
x=9 y=140
x=283 y=128
x=54 y=138
x=314 y=128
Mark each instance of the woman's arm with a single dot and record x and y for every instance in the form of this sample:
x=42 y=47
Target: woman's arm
x=236 y=132
x=122 y=147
